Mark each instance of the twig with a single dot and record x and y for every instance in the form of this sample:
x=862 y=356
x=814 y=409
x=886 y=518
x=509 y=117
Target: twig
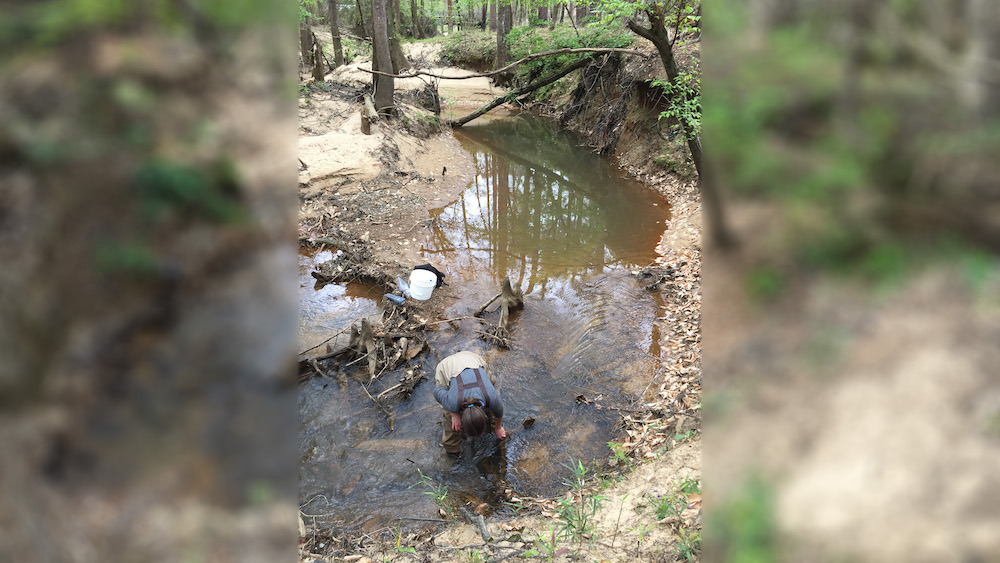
x=438 y=520
x=480 y=310
x=479 y=522
x=386 y=411
x=341 y=331
x=456 y=319
x=389 y=390
x=471 y=545
x=513 y=64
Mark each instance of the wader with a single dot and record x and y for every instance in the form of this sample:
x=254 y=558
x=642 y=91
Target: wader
x=452 y=440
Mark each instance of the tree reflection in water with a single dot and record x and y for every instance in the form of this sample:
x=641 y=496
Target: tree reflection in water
x=541 y=208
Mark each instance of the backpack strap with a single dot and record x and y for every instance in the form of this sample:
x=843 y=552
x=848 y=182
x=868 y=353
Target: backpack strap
x=479 y=383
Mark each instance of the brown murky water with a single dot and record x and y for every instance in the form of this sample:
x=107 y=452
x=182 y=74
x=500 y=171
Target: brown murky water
x=566 y=227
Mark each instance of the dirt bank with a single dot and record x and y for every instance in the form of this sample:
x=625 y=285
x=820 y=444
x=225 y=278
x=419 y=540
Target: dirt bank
x=376 y=189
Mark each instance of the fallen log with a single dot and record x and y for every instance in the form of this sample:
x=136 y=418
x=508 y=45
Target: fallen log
x=521 y=91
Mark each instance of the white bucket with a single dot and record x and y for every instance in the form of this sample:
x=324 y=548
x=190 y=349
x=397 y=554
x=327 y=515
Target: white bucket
x=422 y=284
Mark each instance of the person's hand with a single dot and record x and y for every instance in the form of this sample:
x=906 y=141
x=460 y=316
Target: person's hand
x=456 y=422
x=501 y=433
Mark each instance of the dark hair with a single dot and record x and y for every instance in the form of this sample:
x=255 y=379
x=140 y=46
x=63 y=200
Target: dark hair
x=474 y=420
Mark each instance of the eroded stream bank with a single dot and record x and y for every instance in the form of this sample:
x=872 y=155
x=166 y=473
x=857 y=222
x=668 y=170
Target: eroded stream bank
x=566 y=227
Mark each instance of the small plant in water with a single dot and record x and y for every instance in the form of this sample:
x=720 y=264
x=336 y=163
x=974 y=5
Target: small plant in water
x=438 y=491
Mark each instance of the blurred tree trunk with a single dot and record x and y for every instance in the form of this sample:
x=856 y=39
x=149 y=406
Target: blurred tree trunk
x=338 y=49
x=397 y=17
x=381 y=61
x=449 y=17
x=493 y=15
x=543 y=13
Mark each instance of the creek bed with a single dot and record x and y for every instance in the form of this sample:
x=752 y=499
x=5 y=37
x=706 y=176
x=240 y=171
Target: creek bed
x=567 y=227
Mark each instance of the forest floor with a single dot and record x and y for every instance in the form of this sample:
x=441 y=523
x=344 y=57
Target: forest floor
x=375 y=191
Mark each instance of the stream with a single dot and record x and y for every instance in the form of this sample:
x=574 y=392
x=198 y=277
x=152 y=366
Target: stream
x=567 y=227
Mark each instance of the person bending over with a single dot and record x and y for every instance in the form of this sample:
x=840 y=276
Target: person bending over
x=469 y=399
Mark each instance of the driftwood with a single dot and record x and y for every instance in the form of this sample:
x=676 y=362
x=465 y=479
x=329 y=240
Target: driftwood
x=510 y=300
x=521 y=91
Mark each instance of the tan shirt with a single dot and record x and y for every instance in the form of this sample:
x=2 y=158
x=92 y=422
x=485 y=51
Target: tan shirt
x=453 y=365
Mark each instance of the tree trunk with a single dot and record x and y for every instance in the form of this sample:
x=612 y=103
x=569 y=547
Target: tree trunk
x=482 y=19
x=543 y=13
x=381 y=61
x=416 y=21
x=338 y=49
x=449 y=17
x=396 y=54
x=361 y=16
x=504 y=24
x=556 y=12
x=493 y=15
x=397 y=18
x=658 y=35
x=305 y=44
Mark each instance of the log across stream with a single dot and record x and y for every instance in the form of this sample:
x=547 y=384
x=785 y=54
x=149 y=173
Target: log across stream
x=567 y=228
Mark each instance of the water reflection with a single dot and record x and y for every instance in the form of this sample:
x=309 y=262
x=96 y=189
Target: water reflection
x=326 y=309
x=541 y=207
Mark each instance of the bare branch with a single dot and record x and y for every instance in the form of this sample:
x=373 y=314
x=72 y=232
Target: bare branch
x=513 y=64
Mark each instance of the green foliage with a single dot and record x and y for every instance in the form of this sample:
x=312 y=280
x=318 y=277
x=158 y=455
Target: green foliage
x=675 y=502
x=620 y=454
x=764 y=283
x=577 y=514
x=304 y=7
x=684 y=100
x=743 y=528
x=688 y=544
x=132 y=258
x=473 y=555
x=170 y=188
x=547 y=548
x=399 y=542
x=53 y=20
x=525 y=40
x=472 y=48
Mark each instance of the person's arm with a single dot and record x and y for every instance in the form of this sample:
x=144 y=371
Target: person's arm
x=456 y=422
x=501 y=433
